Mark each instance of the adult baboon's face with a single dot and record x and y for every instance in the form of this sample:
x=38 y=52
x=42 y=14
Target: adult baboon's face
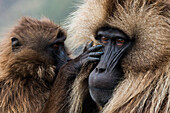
x=105 y=77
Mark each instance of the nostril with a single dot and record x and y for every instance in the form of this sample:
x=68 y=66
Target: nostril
x=100 y=70
x=97 y=69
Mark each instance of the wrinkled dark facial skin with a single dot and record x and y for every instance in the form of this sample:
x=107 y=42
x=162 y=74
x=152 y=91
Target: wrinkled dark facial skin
x=108 y=72
x=59 y=53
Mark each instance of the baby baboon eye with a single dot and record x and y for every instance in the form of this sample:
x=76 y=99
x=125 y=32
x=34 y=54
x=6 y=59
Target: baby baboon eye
x=15 y=43
x=56 y=46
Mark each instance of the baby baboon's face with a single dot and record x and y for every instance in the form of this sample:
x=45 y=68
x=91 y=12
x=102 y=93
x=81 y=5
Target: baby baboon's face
x=38 y=42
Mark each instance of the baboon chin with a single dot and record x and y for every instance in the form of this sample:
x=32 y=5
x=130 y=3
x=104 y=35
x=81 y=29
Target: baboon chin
x=133 y=74
x=30 y=54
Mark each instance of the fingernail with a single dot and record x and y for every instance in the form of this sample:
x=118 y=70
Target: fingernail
x=99 y=45
x=100 y=52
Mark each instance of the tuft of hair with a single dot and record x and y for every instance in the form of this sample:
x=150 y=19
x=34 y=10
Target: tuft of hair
x=146 y=85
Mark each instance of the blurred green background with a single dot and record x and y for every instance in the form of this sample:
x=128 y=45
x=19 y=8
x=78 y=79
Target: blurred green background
x=12 y=10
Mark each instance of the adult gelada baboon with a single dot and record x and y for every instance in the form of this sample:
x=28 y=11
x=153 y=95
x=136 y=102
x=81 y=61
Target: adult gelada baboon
x=30 y=58
x=133 y=75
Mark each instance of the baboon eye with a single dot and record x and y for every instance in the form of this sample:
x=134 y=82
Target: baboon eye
x=120 y=41
x=15 y=43
x=56 y=46
x=104 y=39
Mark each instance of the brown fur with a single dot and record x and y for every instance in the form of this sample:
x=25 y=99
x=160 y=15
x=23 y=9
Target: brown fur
x=146 y=85
x=26 y=76
x=58 y=101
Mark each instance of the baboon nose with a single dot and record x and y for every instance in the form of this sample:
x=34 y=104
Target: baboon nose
x=100 y=70
x=101 y=67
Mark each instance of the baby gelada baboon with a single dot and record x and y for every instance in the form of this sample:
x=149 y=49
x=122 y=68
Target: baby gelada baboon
x=29 y=55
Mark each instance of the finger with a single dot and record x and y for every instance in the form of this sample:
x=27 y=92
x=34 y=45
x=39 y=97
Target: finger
x=95 y=48
x=90 y=45
x=92 y=59
x=94 y=54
